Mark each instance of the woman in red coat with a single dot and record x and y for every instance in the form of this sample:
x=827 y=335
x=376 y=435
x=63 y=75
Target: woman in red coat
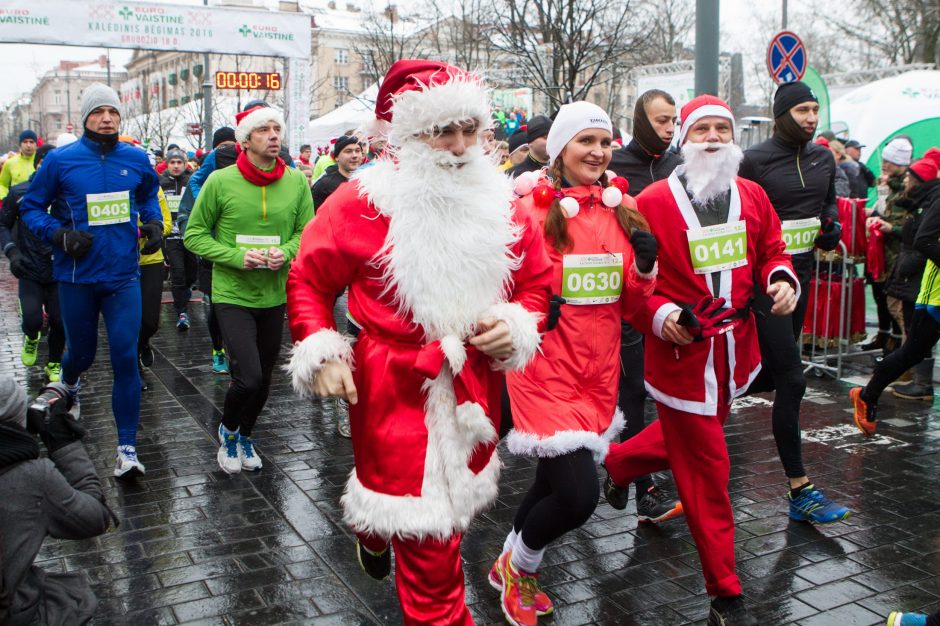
x=564 y=404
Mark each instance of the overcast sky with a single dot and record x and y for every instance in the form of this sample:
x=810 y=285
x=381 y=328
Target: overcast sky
x=22 y=64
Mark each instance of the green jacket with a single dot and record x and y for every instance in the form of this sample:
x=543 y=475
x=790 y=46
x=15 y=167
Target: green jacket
x=232 y=215
x=16 y=169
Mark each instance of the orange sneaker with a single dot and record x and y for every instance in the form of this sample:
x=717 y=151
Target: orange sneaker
x=864 y=413
x=543 y=604
x=517 y=595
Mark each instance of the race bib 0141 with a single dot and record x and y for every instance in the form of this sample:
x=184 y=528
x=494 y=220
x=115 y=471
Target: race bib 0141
x=108 y=208
x=799 y=235
x=592 y=278
x=718 y=248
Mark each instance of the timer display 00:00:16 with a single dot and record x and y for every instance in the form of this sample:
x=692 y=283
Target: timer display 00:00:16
x=247 y=80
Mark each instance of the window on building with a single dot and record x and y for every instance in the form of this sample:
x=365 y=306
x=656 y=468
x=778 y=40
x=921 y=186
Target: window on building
x=341 y=83
x=342 y=56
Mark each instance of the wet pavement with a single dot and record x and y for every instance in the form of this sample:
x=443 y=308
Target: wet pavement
x=198 y=546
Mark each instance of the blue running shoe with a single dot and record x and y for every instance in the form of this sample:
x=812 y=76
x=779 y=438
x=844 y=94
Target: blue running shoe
x=814 y=507
x=182 y=322
x=228 y=457
x=907 y=619
x=219 y=362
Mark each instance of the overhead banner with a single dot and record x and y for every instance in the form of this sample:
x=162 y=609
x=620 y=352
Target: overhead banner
x=153 y=26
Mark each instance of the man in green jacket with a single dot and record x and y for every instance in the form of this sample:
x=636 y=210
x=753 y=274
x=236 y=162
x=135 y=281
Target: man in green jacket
x=19 y=167
x=257 y=211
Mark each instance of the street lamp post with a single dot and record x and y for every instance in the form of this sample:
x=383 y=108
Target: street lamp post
x=206 y=99
x=706 y=47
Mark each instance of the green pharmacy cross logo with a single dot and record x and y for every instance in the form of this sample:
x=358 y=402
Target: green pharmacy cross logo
x=244 y=30
x=125 y=13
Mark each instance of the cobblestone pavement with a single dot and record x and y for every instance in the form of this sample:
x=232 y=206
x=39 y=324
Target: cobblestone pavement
x=198 y=546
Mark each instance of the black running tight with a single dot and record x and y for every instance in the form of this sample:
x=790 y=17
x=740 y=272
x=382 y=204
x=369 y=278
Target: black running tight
x=921 y=338
x=631 y=395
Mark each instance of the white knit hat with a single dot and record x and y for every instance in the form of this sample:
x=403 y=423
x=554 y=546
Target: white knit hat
x=571 y=120
x=898 y=151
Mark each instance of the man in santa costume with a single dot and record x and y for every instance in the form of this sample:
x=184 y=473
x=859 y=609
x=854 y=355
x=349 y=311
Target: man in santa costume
x=718 y=234
x=449 y=287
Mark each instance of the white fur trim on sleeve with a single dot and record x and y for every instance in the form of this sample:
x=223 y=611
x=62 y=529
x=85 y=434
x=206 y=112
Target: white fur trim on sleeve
x=523 y=327
x=652 y=273
x=660 y=317
x=309 y=355
x=786 y=270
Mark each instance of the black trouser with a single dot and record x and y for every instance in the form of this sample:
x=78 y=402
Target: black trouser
x=886 y=323
x=205 y=286
x=934 y=620
x=921 y=338
x=151 y=292
x=782 y=367
x=184 y=269
x=252 y=341
x=562 y=498
x=632 y=392
x=33 y=297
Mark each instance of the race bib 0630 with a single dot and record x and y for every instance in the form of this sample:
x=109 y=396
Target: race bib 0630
x=108 y=208
x=592 y=278
x=718 y=248
x=799 y=235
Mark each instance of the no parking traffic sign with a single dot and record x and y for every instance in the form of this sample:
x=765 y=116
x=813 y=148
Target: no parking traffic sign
x=786 y=57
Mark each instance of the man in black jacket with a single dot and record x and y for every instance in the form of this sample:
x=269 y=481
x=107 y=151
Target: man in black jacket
x=184 y=266
x=31 y=262
x=647 y=157
x=347 y=152
x=799 y=178
x=536 y=135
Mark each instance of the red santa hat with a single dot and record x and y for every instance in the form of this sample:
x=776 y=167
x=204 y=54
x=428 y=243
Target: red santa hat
x=253 y=118
x=925 y=169
x=703 y=106
x=417 y=96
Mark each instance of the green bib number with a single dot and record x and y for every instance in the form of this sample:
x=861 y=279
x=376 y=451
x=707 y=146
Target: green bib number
x=174 y=203
x=799 y=235
x=718 y=248
x=108 y=208
x=257 y=242
x=592 y=278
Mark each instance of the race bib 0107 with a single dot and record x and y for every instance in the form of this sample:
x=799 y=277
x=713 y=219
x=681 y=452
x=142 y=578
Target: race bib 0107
x=718 y=248
x=108 y=208
x=592 y=278
x=799 y=235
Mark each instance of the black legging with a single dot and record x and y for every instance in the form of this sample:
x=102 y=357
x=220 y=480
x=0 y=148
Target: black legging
x=562 y=498
x=921 y=338
x=253 y=342
x=151 y=292
x=183 y=273
x=632 y=392
x=33 y=297
x=886 y=323
x=205 y=286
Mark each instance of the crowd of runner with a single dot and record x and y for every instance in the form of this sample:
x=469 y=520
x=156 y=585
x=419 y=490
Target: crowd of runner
x=537 y=290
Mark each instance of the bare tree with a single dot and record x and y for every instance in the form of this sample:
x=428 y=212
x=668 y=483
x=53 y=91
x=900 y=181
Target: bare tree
x=667 y=26
x=462 y=34
x=903 y=31
x=390 y=37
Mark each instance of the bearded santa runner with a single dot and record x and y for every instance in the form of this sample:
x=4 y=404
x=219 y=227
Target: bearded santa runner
x=449 y=287
x=717 y=235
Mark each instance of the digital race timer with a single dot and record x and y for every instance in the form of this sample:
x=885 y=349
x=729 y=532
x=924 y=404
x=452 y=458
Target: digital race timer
x=247 y=80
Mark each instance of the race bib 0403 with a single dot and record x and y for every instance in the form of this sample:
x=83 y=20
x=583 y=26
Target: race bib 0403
x=799 y=235
x=718 y=248
x=108 y=208
x=592 y=278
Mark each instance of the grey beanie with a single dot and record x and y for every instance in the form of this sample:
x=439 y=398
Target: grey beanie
x=12 y=401
x=97 y=95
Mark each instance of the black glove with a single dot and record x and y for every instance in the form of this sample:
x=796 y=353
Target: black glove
x=62 y=430
x=48 y=416
x=153 y=232
x=644 y=250
x=829 y=235
x=554 y=311
x=75 y=243
x=17 y=262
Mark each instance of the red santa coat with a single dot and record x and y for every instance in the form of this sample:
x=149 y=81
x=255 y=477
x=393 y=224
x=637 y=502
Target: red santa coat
x=566 y=398
x=425 y=427
x=669 y=211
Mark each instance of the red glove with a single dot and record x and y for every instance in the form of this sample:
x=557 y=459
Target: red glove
x=707 y=319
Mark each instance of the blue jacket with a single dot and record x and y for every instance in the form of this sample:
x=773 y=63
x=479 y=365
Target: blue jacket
x=67 y=176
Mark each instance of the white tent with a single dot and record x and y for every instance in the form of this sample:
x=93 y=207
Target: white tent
x=874 y=112
x=355 y=113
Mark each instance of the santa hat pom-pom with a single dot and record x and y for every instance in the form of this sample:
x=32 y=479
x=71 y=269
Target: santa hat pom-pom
x=612 y=197
x=569 y=206
x=543 y=195
x=525 y=183
x=620 y=183
x=610 y=174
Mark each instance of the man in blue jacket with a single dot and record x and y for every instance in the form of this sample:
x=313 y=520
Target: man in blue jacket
x=96 y=189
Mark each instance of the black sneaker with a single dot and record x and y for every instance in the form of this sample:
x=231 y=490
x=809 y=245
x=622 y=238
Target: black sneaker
x=378 y=566
x=729 y=612
x=657 y=505
x=616 y=496
x=146 y=355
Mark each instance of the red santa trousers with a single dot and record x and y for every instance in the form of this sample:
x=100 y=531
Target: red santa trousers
x=428 y=578
x=693 y=446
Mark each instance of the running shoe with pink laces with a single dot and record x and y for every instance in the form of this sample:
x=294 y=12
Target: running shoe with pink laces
x=543 y=604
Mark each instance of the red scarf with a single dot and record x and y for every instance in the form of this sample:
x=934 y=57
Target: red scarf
x=257 y=176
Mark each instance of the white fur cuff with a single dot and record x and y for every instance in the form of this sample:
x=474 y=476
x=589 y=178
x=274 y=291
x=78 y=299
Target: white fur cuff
x=309 y=355
x=659 y=318
x=652 y=273
x=523 y=327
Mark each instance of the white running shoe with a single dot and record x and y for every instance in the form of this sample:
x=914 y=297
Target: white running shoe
x=248 y=454
x=127 y=465
x=228 y=456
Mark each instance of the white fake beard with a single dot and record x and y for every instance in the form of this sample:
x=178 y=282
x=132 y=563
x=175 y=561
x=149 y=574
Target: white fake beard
x=447 y=254
x=708 y=175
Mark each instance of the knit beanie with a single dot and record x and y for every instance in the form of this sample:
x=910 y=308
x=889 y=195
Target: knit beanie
x=934 y=155
x=571 y=120
x=226 y=133
x=898 y=151
x=791 y=94
x=28 y=134
x=176 y=154
x=924 y=169
x=12 y=401
x=518 y=139
x=342 y=142
x=97 y=95
x=538 y=126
